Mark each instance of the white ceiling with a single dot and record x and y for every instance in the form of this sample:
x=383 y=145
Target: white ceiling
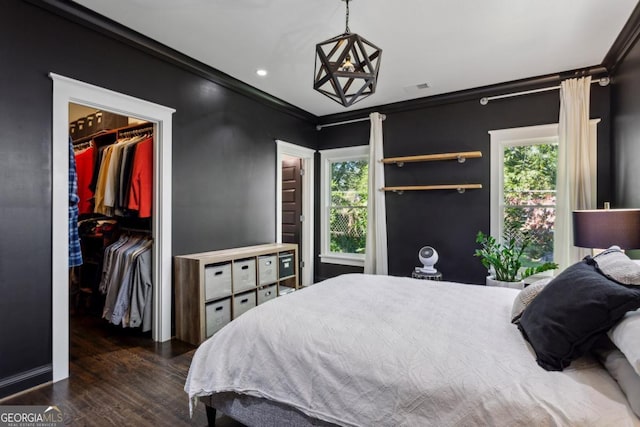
x=450 y=44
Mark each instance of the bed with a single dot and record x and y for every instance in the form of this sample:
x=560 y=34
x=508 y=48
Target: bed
x=364 y=350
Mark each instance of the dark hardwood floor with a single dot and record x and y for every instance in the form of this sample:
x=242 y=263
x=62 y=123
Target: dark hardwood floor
x=120 y=377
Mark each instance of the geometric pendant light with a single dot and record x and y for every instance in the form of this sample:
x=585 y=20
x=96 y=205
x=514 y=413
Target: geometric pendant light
x=347 y=67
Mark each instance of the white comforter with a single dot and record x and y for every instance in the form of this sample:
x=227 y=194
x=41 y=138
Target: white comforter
x=361 y=350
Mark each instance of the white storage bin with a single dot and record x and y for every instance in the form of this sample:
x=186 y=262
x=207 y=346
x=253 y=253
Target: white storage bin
x=267 y=269
x=266 y=293
x=217 y=314
x=283 y=290
x=243 y=302
x=217 y=281
x=244 y=275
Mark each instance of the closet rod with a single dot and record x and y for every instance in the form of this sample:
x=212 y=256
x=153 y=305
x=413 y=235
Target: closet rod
x=139 y=131
x=604 y=81
x=136 y=230
x=88 y=138
x=326 y=125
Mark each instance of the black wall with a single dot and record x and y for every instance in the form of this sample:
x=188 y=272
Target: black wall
x=626 y=135
x=447 y=220
x=223 y=164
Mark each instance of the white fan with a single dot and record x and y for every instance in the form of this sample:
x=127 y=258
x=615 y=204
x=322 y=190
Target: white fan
x=428 y=257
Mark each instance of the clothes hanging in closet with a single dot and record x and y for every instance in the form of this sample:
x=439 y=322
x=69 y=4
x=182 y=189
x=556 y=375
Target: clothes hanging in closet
x=75 y=252
x=141 y=188
x=84 y=166
x=126 y=282
x=121 y=178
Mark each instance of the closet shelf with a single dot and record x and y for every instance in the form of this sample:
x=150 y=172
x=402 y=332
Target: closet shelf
x=460 y=156
x=459 y=187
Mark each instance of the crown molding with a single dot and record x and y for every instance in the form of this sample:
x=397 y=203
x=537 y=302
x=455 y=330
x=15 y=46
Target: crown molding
x=467 y=94
x=86 y=17
x=624 y=42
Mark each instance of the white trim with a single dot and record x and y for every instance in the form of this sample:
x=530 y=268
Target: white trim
x=360 y=152
x=524 y=133
x=343 y=259
x=67 y=90
x=346 y=153
x=308 y=162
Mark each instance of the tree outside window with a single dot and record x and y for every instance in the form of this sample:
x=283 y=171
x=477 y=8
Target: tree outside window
x=529 y=191
x=344 y=186
x=348 y=209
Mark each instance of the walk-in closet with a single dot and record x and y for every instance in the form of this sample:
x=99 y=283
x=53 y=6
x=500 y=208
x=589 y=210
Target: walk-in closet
x=110 y=226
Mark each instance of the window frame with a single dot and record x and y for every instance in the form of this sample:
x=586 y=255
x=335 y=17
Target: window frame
x=327 y=157
x=501 y=139
x=519 y=136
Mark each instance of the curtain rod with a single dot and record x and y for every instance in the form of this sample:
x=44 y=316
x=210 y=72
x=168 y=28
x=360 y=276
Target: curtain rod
x=604 y=81
x=326 y=125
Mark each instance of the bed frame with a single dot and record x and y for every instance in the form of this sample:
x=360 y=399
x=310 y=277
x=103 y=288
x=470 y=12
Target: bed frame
x=255 y=411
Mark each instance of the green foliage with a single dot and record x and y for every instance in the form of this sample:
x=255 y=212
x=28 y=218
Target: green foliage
x=348 y=212
x=505 y=259
x=531 y=167
x=529 y=196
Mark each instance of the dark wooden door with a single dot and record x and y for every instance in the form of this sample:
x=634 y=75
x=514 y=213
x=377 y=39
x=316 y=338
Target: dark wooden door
x=291 y=201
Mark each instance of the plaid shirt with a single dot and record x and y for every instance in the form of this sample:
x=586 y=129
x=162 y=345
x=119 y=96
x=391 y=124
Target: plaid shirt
x=75 y=253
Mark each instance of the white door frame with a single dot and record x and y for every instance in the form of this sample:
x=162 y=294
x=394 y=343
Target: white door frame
x=308 y=161
x=66 y=90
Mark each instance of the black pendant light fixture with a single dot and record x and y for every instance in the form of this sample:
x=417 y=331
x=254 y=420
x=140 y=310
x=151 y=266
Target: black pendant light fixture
x=346 y=67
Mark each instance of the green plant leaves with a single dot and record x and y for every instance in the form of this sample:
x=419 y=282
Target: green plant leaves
x=505 y=259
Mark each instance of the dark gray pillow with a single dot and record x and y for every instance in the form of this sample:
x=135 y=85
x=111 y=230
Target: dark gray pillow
x=572 y=311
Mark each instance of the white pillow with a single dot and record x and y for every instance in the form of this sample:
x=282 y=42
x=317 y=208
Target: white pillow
x=626 y=336
x=620 y=369
x=525 y=296
x=617 y=266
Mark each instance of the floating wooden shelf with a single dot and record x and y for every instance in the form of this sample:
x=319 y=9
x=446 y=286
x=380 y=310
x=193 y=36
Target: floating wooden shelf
x=461 y=157
x=459 y=187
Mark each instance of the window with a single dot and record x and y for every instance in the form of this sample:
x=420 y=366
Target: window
x=522 y=178
x=344 y=192
x=523 y=190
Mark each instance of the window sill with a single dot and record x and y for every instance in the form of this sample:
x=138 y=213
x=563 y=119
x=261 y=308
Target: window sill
x=343 y=259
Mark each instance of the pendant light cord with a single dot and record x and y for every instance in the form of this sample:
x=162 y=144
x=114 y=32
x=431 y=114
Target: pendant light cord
x=346 y=30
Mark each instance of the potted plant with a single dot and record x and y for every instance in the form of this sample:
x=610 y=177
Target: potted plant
x=504 y=260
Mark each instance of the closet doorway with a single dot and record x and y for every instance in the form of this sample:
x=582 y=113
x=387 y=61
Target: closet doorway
x=65 y=91
x=291 y=158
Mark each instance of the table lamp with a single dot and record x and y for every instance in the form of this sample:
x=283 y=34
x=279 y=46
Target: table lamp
x=603 y=228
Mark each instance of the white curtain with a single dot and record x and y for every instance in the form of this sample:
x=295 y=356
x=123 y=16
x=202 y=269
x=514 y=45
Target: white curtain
x=576 y=177
x=375 y=261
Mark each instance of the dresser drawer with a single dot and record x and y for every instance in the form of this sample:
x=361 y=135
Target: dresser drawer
x=267 y=293
x=243 y=303
x=217 y=281
x=217 y=314
x=267 y=269
x=244 y=275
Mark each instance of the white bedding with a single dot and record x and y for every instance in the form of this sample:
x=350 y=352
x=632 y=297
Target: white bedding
x=362 y=350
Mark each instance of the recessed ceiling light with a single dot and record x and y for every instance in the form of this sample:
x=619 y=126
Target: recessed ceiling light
x=261 y=72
